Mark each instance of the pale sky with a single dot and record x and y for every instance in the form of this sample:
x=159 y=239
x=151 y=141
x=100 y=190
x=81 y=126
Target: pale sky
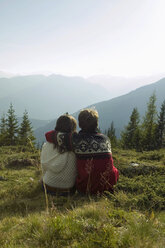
x=83 y=37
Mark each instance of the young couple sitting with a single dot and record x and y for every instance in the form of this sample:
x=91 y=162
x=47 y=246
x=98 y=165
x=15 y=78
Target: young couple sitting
x=78 y=161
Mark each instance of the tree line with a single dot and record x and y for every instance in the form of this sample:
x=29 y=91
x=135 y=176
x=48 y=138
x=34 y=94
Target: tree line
x=146 y=134
x=11 y=133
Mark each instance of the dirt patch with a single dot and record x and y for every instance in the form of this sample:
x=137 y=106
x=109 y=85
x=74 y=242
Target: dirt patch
x=22 y=163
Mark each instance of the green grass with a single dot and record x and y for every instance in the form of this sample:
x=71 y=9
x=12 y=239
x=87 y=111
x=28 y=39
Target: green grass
x=133 y=217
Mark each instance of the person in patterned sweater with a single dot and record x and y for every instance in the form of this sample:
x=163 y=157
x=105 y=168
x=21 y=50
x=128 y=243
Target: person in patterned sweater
x=95 y=168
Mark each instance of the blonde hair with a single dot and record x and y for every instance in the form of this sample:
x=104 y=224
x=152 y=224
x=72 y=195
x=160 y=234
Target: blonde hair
x=88 y=120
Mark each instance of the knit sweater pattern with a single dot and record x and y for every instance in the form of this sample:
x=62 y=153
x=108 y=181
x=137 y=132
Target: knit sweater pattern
x=59 y=169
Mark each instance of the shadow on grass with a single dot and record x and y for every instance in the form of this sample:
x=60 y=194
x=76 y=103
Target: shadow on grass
x=34 y=201
x=18 y=164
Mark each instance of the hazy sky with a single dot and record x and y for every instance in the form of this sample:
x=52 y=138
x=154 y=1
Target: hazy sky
x=83 y=37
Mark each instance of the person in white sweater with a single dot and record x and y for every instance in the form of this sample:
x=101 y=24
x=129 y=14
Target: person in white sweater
x=58 y=164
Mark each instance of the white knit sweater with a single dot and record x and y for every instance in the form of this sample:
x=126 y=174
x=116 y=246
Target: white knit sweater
x=59 y=169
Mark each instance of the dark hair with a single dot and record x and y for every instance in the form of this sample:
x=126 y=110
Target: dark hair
x=88 y=120
x=65 y=124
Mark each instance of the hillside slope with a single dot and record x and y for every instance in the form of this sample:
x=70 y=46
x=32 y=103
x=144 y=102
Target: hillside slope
x=120 y=108
x=133 y=216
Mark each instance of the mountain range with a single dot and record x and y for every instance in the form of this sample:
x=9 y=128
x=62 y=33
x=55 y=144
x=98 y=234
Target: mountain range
x=47 y=97
x=122 y=85
x=118 y=109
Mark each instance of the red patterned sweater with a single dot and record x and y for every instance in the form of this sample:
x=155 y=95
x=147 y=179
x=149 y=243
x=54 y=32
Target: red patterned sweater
x=96 y=172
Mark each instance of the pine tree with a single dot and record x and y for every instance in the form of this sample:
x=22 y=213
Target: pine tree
x=111 y=134
x=3 y=127
x=25 y=134
x=149 y=124
x=130 y=137
x=160 y=129
x=3 y=124
x=12 y=127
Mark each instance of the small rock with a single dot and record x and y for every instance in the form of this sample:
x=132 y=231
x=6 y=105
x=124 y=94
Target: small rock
x=3 y=179
x=134 y=164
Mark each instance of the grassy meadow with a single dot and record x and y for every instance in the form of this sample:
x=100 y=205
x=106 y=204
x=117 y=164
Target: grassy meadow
x=133 y=217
